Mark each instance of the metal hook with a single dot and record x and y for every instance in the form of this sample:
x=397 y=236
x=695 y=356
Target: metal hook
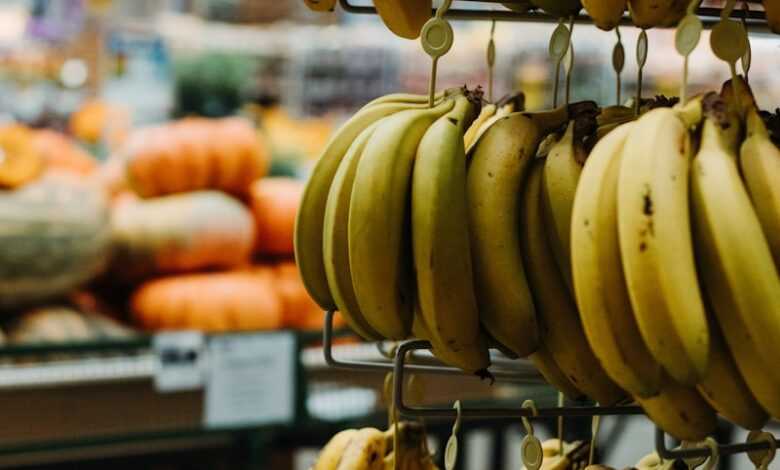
x=529 y=429
x=712 y=462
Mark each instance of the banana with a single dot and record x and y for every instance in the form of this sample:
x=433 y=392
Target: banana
x=680 y=411
x=561 y=330
x=738 y=273
x=440 y=236
x=485 y=113
x=615 y=114
x=772 y=9
x=472 y=359
x=561 y=174
x=648 y=14
x=330 y=455
x=655 y=241
x=759 y=160
x=606 y=14
x=311 y=212
x=507 y=106
x=599 y=281
x=405 y=18
x=410 y=98
x=519 y=6
x=321 y=5
x=379 y=239
x=724 y=388
x=366 y=451
x=544 y=362
x=335 y=238
x=559 y=8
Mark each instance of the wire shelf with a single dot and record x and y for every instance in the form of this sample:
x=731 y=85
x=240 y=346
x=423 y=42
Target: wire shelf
x=709 y=12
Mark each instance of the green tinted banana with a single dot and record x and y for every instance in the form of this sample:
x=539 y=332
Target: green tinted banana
x=655 y=241
x=737 y=269
x=440 y=235
x=321 y=5
x=680 y=411
x=472 y=359
x=485 y=113
x=606 y=14
x=335 y=238
x=559 y=8
x=496 y=172
x=544 y=362
x=379 y=253
x=648 y=14
x=599 y=282
x=759 y=160
x=311 y=212
x=561 y=174
x=404 y=18
x=365 y=451
x=410 y=98
x=724 y=388
x=330 y=455
x=559 y=322
x=519 y=6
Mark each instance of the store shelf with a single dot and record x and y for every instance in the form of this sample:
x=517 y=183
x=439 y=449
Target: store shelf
x=493 y=10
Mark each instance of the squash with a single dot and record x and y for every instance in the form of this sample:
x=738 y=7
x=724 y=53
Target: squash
x=193 y=154
x=301 y=312
x=180 y=233
x=20 y=163
x=55 y=237
x=213 y=302
x=60 y=153
x=274 y=204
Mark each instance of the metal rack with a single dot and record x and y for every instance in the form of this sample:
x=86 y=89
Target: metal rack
x=406 y=360
x=709 y=13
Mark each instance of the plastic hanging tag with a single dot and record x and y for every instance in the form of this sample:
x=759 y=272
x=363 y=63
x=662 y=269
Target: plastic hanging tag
x=728 y=41
x=559 y=44
x=451 y=449
x=568 y=66
x=618 y=63
x=693 y=462
x=747 y=58
x=641 y=59
x=531 y=452
x=436 y=38
x=491 y=60
x=762 y=458
x=686 y=39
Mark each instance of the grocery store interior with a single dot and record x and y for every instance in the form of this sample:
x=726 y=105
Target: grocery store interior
x=389 y=234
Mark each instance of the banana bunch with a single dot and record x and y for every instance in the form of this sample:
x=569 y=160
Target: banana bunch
x=372 y=449
x=648 y=14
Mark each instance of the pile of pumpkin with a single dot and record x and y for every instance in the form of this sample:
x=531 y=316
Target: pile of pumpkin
x=181 y=229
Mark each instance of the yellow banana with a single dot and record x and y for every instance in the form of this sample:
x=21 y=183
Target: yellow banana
x=737 y=269
x=410 y=98
x=440 y=237
x=366 y=451
x=472 y=359
x=772 y=9
x=606 y=14
x=599 y=282
x=311 y=212
x=405 y=18
x=561 y=330
x=759 y=160
x=336 y=242
x=497 y=169
x=544 y=362
x=561 y=173
x=559 y=8
x=321 y=5
x=379 y=253
x=520 y=6
x=655 y=241
x=725 y=390
x=680 y=411
x=330 y=455
x=485 y=113
x=615 y=114
x=648 y=14
x=512 y=104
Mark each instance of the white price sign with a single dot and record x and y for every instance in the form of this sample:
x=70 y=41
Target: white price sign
x=181 y=361
x=251 y=380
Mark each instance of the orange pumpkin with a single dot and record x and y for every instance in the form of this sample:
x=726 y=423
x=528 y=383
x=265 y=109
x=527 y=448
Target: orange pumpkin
x=196 y=153
x=227 y=301
x=275 y=203
x=20 y=163
x=61 y=153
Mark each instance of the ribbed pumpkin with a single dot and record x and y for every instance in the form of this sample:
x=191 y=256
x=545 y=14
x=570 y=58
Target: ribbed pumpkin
x=55 y=236
x=227 y=301
x=61 y=153
x=274 y=204
x=20 y=163
x=195 y=153
x=179 y=233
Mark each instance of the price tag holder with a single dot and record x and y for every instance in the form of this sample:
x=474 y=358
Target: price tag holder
x=181 y=361
x=251 y=380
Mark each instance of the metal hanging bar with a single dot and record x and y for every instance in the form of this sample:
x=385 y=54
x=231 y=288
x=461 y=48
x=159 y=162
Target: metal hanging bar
x=486 y=413
x=756 y=19
x=724 y=449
